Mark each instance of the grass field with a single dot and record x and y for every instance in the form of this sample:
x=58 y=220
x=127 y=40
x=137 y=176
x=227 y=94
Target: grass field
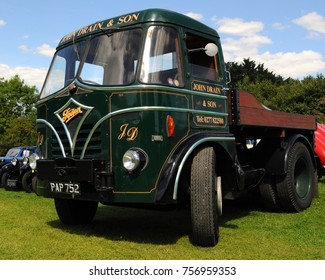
x=30 y=229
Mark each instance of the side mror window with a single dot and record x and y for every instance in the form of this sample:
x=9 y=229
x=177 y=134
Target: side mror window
x=202 y=58
x=161 y=59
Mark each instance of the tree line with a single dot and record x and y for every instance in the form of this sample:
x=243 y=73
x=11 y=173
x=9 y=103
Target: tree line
x=305 y=96
x=17 y=114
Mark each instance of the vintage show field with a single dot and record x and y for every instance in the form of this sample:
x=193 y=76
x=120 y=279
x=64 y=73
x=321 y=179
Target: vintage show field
x=30 y=230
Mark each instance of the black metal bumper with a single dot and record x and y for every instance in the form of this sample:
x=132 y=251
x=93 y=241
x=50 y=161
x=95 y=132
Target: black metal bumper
x=64 y=169
x=95 y=182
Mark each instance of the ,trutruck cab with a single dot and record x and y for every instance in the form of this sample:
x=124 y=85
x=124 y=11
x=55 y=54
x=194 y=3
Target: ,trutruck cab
x=135 y=110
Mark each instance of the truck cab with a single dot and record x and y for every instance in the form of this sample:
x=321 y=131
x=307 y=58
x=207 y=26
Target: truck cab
x=135 y=110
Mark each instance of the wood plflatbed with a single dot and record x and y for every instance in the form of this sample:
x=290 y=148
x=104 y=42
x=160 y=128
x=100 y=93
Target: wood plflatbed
x=248 y=113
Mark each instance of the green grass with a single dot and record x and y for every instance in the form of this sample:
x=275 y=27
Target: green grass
x=30 y=229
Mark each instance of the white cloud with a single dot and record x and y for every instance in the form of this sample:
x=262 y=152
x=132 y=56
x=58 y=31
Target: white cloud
x=245 y=41
x=2 y=22
x=24 y=48
x=45 y=50
x=313 y=22
x=31 y=76
x=195 y=16
x=286 y=64
x=238 y=27
x=244 y=47
x=280 y=26
x=249 y=40
x=292 y=64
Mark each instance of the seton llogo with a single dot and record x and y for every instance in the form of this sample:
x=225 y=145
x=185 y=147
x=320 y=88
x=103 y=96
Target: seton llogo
x=72 y=115
x=69 y=113
x=130 y=133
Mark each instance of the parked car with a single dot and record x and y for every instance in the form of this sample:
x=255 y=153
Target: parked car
x=11 y=173
x=28 y=176
x=18 y=152
x=11 y=153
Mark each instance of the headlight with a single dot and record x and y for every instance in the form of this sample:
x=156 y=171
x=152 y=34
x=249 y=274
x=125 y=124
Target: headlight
x=32 y=160
x=14 y=161
x=25 y=160
x=134 y=159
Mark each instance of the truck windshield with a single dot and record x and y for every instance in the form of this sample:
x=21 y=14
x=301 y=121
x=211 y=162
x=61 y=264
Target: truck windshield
x=106 y=60
x=161 y=62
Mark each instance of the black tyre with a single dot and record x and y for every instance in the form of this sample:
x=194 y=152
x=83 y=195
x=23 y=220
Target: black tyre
x=296 y=188
x=204 y=198
x=269 y=194
x=75 y=212
x=27 y=181
x=1 y=185
x=34 y=183
x=4 y=179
